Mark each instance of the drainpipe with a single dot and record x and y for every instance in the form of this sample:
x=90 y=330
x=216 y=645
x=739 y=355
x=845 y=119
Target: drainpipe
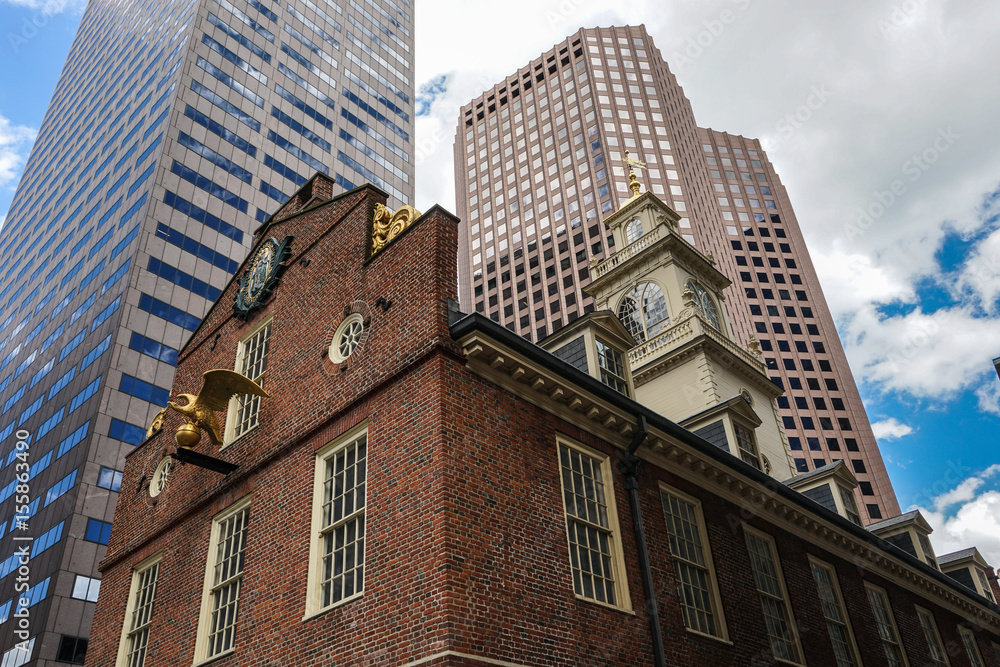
x=629 y=466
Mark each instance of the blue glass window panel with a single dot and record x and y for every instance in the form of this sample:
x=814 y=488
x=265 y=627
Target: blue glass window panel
x=174 y=237
x=133 y=435
x=153 y=348
x=85 y=395
x=183 y=279
x=301 y=129
x=62 y=382
x=202 y=216
x=292 y=149
x=144 y=390
x=239 y=37
x=95 y=353
x=221 y=131
x=213 y=157
x=209 y=186
x=167 y=312
x=226 y=106
x=71 y=441
x=287 y=172
x=231 y=82
x=109 y=479
x=98 y=531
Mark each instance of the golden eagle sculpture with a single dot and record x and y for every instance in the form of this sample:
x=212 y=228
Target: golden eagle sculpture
x=219 y=386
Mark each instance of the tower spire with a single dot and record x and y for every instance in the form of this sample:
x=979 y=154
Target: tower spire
x=633 y=181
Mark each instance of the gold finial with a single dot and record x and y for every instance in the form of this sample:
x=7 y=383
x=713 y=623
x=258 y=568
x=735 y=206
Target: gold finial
x=633 y=182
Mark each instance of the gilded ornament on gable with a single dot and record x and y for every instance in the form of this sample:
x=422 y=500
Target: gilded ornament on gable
x=387 y=225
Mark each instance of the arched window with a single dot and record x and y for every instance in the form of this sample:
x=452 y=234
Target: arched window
x=633 y=231
x=705 y=304
x=643 y=311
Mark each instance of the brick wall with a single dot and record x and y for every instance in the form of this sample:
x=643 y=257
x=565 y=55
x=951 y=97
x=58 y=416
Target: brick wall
x=466 y=549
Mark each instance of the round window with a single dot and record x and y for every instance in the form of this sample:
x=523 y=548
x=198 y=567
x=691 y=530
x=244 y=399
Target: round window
x=160 y=476
x=346 y=339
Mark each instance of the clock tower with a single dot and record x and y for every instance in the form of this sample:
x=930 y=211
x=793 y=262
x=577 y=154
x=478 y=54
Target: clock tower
x=685 y=362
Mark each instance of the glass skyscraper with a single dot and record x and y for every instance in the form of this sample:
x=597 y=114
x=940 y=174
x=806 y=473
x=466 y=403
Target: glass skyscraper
x=539 y=160
x=174 y=130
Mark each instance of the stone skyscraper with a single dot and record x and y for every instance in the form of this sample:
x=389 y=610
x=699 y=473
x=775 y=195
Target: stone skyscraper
x=539 y=163
x=175 y=129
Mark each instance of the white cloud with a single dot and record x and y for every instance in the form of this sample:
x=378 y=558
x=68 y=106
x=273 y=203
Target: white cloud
x=46 y=8
x=929 y=355
x=890 y=429
x=15 y=142
x=976 y=521
x=988 y=396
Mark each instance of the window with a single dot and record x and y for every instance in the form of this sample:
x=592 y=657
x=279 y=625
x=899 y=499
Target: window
x=643 y=311
x=72 y=650
x=969 y=639
x=251 y=361
x=98 y=531
x=612 y=367
x=704 y=303
x=223 y=578
x=850 y=507
x=109 y=479
x=933 y=637
x=337 y=552
x=886 y=627
x=983 y=584
x=592 y=526
x=139 y=613
x=633 y=231
x=773 y=597
x=837 y=622
x=698 y=590
x=348 y=336
x=86 y=588
x=747 y=445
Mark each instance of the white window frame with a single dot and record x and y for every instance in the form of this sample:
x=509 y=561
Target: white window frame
x=314 y=599
x=852 y=644
x=743 y=453
x=208 y=595
x=622 y=598
x=716 y=598
x=124 y=642
x=984 y=583
x=234 y=403
x=873 y=589
x=930 y=633
x=971 y=646
x=785 y=599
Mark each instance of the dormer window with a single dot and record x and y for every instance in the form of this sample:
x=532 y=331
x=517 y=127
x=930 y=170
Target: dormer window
x=925 y=546
x=705 y=304
x=850 y=506
x=612 y=367
x=746 y=442
x=643 y=311
x=633 y=231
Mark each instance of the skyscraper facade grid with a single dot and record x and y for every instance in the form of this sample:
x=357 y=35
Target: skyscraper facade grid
x=539 y=160
x=175 y=129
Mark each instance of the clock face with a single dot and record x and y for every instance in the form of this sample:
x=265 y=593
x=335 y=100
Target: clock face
x=260 y=271
x=261 y=275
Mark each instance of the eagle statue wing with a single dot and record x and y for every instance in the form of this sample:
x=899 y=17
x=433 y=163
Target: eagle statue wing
x=221 y=385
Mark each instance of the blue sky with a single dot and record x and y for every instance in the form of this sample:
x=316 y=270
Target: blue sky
x=912 y=275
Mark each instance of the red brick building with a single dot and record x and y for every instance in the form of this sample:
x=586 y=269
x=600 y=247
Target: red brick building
x=423 y=487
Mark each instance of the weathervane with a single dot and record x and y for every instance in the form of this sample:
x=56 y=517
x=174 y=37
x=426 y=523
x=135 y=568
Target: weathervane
x=633 y=183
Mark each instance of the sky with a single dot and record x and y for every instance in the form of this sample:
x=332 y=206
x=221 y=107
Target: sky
x=881 y=118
